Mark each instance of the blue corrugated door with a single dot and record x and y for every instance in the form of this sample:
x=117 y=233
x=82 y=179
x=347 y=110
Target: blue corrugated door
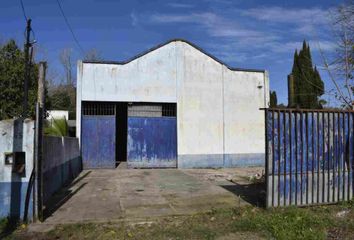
x=98 y=141
x=152 y=141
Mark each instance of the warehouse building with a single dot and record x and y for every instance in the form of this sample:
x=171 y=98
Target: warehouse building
x=174 y=106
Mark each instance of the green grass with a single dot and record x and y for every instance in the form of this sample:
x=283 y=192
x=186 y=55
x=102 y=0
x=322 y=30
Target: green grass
x=285 y=224
x=318 y=222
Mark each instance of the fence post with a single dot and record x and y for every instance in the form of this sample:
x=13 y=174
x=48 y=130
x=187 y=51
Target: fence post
x=40 y=106
x=266 y=156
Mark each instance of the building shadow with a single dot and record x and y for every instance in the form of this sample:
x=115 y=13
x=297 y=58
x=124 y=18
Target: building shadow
x=253 y=193
x=62 y=196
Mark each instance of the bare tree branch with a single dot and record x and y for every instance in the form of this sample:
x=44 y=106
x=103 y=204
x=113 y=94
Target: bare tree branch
x=92 y=55
x=66 y=60
x=340 y=70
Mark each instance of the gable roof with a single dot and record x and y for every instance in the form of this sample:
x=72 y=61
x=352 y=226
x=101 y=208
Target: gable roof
x=168 y=42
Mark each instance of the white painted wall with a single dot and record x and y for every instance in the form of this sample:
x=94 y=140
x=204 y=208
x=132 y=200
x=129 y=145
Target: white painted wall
x=150 y=78
x=244 y=94
x=200 y=103
x=217 y=108
x=22 y=141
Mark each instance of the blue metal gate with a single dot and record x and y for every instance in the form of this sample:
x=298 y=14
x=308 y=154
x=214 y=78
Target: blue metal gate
x=309 y=156
x=98 y=138
x=152 y=137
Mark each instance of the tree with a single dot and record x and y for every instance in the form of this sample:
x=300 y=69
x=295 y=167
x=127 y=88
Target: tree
x=341 y=68
x=67 y=63
x=63 y=97
x=92 y=55
x=60 y=98
x=12 y=65
x=273 y=99
x=308 y=85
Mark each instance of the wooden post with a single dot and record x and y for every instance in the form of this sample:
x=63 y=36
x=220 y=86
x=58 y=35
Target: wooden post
x=40 y=106
x=41 y=84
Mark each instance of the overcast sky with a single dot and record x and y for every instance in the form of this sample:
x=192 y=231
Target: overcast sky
x=243 y=33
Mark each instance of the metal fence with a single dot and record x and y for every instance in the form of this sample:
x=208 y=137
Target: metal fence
x=309 y=156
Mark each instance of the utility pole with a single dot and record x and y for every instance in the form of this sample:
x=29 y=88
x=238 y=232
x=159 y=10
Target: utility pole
x=27 y=66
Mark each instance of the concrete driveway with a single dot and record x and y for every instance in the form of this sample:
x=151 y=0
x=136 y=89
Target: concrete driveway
x=108 y=195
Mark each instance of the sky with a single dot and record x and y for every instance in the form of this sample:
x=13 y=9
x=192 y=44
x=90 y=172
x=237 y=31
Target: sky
x=253 y=34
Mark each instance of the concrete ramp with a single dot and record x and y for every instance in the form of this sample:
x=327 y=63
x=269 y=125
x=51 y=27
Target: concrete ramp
x=108 y=195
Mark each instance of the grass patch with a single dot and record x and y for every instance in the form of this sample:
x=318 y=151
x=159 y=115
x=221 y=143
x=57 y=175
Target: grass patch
x=321 y=222
x=289 y=223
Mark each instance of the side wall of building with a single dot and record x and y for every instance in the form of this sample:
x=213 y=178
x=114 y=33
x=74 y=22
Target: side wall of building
x=16 y=136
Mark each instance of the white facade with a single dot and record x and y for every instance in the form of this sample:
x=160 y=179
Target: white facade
x=58 y=114
x=219 y=121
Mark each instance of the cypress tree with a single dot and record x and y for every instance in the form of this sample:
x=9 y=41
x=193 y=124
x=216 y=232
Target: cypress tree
x=308 y=83
x=296 y=73
x=319 y=90
x=273 y=99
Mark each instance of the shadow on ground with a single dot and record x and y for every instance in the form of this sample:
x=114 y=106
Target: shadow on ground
x=253 y=193
x=8 y=226
x=61 y=197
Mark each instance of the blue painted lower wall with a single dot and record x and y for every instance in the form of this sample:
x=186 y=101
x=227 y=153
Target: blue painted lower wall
x=12 y=199
x=221 y=160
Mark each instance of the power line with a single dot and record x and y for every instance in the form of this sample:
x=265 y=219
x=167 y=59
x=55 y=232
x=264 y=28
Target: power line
x=23 y=10
x=71 y=30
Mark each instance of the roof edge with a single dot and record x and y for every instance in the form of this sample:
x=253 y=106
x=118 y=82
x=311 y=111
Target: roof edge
x=168 y=42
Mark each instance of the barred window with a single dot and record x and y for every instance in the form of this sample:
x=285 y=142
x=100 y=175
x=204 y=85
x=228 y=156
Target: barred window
x=152 y=110
x=169 y=110
x=98 y=108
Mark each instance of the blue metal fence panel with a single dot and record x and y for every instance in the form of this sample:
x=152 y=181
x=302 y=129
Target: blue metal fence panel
x=309 y=156
x=152 y=142
x=98 y=141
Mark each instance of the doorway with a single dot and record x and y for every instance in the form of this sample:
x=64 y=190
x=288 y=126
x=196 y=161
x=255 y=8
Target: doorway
x=121 y=133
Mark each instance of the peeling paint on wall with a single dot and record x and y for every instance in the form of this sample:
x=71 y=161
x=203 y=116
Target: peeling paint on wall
x=152 y=142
